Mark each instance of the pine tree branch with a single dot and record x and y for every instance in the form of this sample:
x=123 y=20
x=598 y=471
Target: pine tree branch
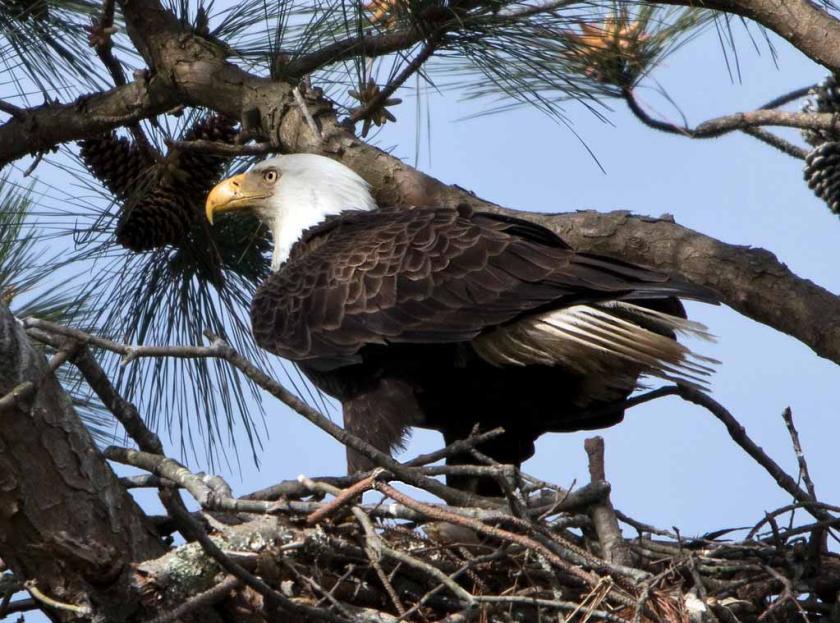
x=371 y=45
x=790 y=96
x=42 y=128
x=802 y=23
x=381 y=98
x=777 y=142
x=717 y=127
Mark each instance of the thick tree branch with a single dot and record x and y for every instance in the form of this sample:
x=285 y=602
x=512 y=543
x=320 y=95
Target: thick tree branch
x=67 y=524
x=801 y=22
x=42 y=128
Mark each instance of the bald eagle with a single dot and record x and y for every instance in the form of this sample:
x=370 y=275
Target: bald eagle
x=446 y=317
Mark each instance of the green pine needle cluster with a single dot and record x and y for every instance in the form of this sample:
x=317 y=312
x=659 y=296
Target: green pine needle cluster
x=27 y=287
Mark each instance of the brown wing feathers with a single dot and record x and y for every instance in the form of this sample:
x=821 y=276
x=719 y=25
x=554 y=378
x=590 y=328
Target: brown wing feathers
x=436 y=275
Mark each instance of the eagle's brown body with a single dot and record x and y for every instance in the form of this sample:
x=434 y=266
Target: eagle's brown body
x=444 y=318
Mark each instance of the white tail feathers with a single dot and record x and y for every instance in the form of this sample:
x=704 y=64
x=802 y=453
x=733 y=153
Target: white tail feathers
x=602 y=339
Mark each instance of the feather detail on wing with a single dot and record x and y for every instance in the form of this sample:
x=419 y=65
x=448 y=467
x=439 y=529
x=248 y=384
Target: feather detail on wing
x=603 y=340
x=440 y=275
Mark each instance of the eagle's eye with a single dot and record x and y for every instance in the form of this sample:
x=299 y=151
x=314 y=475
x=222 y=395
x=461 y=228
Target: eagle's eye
x=270 y=176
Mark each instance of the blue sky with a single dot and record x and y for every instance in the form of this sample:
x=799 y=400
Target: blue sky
x=670 y=463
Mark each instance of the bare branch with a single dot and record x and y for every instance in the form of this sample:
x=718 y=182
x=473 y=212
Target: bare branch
x=443 y=515
x=602 y=513
x=804 y=474
x=275 y=599
x=790 y=96
x=739 y=436
x=369 y=108
x=41 y=128
x=777 y=142
x=802 y=23
x=714 y=128
x=223 y=149
x=45 y=599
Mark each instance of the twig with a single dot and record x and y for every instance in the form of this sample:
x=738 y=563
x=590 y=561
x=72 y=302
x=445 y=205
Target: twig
x=100 y=38
x=16 y=395
x=34 y=164
x=222 y=149
x=273 y=598
x=33 y=589
x=11 y=109
x=786 y=98
x=304 y=109
x=145 y=481
x=740 y=437
x=804 y=474
x=499 y=533
x=547 y=603
x=456 y=447
x=350 y=569
x=173 y=471
x=125 y=412
x=345 y=496
x=719 y=126
x=786 y=596
x=296 y=489
x=386 y=583
x=379 y=100
x=778 y=142
x=364 y=45
x=201 y=600
x=386 y=43
x=786 y=509
x=603 y=515
x=377 y=546
x=642 y=527
x=216 y=500
x=325 y=594
x=27 y=389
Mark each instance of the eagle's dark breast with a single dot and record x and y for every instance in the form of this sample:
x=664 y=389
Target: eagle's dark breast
x=380 y=310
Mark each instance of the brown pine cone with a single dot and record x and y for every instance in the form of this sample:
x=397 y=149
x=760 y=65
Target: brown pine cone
x=116 y=162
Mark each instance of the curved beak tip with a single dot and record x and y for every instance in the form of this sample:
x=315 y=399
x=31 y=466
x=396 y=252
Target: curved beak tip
x=222 y=195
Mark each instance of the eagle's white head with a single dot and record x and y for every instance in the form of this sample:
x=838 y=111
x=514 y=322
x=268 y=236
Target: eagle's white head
x=290 y=194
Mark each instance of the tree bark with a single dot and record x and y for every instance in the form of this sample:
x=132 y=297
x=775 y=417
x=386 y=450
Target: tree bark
x=66 y=523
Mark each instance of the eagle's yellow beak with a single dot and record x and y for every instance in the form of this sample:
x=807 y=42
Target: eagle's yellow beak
x=231 y=194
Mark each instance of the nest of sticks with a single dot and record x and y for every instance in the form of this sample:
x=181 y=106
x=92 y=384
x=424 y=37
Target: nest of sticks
x=368 y=548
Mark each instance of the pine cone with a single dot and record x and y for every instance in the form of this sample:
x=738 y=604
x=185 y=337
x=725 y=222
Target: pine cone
x=162 y=217
x=822 y=173
x=202 y=171
x=824 y=98
x=116 y=162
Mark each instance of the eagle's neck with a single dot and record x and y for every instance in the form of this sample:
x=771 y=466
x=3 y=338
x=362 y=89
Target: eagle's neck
x=299 y=206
